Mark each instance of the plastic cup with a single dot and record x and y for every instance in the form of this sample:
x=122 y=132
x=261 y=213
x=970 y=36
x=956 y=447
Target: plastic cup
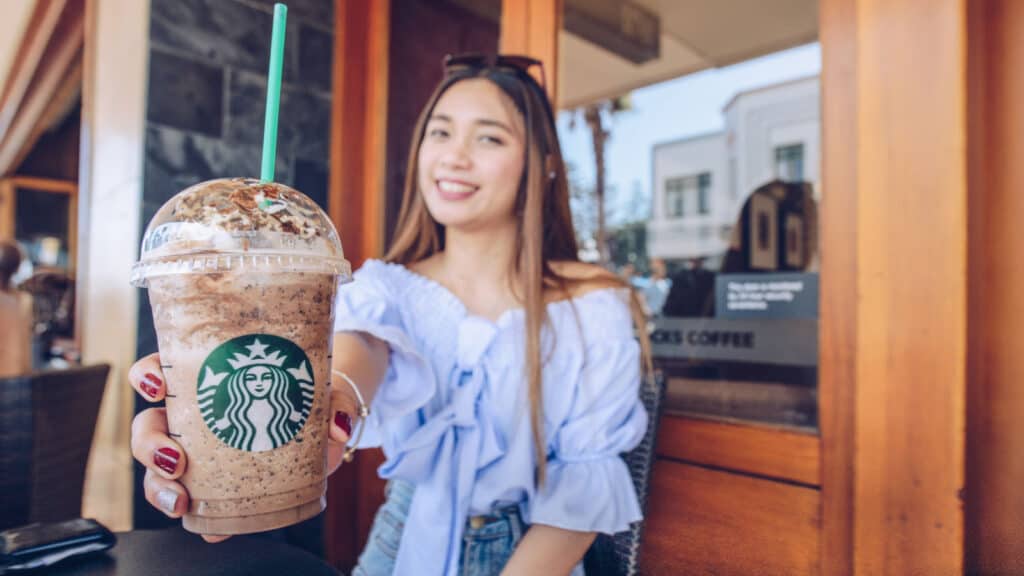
x=242 y=276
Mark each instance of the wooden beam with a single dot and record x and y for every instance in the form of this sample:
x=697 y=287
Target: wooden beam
x=356 y=204
x=66 y=94
x=6 y=209
x=756 y=450
x=45 y=184
x=358 y=126
x=995 y=429
x=379 y=25
x=911 y=285
x=838 y=308
x=531 y=27
x=36 y=38
x=26 y=107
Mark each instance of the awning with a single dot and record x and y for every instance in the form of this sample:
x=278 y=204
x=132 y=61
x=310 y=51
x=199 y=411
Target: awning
x=694 y=35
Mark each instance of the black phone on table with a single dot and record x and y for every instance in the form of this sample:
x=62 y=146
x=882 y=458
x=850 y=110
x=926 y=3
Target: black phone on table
x=44 y=544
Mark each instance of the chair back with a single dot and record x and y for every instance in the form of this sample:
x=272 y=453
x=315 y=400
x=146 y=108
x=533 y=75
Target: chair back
x=47 y=420
x=619 y=554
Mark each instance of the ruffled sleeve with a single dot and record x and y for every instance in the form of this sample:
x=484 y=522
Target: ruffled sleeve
x=588 y=486
x=369 y=304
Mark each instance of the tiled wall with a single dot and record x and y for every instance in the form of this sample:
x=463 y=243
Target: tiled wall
x=207 y=89
x=204 y=116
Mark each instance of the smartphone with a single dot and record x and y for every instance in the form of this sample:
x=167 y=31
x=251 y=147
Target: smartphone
x=45 y=544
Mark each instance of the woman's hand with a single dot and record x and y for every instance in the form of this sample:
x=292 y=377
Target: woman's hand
x=343 y=407
x=163 y=458
x=365 y=360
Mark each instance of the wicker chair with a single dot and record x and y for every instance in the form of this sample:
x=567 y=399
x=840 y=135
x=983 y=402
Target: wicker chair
x=47 y=421
x=619 y=554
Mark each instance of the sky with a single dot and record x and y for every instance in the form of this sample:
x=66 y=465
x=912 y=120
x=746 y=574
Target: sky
x=671 y=110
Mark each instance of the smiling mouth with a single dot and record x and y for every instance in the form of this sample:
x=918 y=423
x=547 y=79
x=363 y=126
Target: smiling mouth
x=451 y=190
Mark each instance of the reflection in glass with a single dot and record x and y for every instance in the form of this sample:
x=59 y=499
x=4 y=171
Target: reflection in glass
x=719 y=233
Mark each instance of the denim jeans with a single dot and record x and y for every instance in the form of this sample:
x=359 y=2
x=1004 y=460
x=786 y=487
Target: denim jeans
x=485 y=548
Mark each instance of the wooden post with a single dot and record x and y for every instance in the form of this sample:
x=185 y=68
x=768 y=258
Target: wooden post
x=356 y=206
x=531 y=27
x=838 y=308
x=995 y=368
x=359 y=126
x=894 y=285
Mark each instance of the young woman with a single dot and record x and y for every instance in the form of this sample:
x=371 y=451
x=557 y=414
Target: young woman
x=503 y=372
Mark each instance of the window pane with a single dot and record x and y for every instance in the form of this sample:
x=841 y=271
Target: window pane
x=728 y=261
x=789 y=163
x=704 y=185
x=41 y=225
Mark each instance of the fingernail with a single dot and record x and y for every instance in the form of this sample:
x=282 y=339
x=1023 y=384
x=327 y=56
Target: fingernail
x=344 y=421
x=148 y=389
x=166 y=459
x=167 y=499
x=151 y=384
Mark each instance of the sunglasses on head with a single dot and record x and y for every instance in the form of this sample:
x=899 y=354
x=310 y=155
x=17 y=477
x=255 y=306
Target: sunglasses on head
x=508 y=62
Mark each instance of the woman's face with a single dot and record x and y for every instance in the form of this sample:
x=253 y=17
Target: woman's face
x=472 y=156
x=258 y=381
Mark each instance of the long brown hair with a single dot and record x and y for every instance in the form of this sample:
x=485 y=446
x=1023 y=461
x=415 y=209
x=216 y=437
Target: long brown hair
x=544 y=235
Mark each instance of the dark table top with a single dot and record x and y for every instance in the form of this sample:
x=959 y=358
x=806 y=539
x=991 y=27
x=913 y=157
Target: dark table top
x=173 y=552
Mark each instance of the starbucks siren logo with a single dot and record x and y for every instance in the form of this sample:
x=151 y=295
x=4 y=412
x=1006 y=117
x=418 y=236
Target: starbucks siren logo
x=256 y=400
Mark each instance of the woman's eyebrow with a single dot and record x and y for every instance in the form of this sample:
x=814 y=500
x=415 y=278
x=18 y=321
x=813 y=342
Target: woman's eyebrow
x=495 y=123
x=479 y=121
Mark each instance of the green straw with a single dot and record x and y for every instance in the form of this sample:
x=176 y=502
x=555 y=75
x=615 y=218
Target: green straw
x=273 y=93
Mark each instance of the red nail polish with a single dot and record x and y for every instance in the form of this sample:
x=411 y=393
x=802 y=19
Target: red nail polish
x=148 y=389
x=166 y=459
x=344 y=421
x=154 y=380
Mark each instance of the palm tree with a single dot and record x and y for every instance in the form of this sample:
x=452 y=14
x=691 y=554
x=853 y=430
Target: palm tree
x=593 y=114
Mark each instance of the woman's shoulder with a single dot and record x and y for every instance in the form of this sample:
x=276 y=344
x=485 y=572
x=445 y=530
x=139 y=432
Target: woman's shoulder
x=402 y=285
x=601 y=302
x=585 y=278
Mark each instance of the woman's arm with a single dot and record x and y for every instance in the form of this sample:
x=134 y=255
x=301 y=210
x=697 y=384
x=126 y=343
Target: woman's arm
x=365 y=360
x=548 y=550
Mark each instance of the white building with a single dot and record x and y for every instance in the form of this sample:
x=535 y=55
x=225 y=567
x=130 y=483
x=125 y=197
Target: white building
x=701 y=182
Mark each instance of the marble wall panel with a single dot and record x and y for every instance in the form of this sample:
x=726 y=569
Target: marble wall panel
x=185 y=94
x=303 y=123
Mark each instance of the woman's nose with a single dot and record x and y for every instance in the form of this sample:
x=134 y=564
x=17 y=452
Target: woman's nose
x=455 y=156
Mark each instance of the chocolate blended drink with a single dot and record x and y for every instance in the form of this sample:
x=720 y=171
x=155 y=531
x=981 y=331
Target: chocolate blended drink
x=242 y=276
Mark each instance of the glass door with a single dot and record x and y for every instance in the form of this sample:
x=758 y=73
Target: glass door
x=692 y=137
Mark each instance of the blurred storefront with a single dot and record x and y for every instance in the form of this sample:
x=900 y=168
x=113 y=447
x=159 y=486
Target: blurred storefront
x=842 y=400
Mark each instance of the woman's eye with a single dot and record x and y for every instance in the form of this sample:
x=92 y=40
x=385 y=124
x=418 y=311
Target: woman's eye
x=437 y=133
x=492 y=140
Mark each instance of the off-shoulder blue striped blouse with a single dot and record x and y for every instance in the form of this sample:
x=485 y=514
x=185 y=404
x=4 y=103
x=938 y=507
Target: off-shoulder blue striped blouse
x=452 y=415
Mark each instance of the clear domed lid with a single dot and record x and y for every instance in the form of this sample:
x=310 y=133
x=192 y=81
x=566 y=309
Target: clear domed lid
x=239 y=223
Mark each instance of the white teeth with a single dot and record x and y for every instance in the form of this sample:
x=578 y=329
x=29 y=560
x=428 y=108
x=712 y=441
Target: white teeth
x=454 y=187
